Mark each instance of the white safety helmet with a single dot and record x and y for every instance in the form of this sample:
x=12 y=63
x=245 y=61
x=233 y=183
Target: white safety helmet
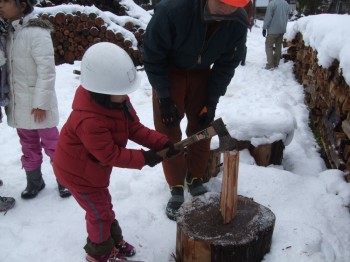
x=108 y=69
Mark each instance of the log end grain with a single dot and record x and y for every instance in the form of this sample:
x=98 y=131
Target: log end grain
x=246 y=238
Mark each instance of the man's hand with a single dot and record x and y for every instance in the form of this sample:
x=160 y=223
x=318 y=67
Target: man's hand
x=39 y=115
x=168 y=112
x=207 y=115
x=264 y=32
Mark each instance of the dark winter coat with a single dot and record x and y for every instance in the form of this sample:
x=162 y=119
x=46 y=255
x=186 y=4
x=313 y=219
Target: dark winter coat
x=176 y=36
x=94 y=139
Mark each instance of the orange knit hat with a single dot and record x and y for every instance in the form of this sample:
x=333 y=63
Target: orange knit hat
x=237 y=3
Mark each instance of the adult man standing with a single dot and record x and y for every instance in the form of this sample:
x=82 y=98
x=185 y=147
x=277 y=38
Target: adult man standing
x=191 y=50
x=275 y=24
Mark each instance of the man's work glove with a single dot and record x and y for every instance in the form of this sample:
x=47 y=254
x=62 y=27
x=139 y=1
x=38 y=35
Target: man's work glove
x=151 y=158
x=171 y=149
x=168 y=112
x=207 y=114
x=264 y=32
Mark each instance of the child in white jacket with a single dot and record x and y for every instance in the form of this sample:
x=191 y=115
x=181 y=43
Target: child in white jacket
x=32 y=109
x=6 y=203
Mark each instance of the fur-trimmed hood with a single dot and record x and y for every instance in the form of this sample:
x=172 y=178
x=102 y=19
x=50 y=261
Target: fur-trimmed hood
x=30 y=21
x=39 y=22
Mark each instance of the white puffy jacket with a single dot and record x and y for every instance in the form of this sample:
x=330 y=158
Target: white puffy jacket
x=31 y=73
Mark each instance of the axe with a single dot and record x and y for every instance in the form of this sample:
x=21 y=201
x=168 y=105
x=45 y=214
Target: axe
x=217 y=127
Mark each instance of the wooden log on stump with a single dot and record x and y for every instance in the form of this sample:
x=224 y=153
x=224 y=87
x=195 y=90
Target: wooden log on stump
x=214 y=162
x=228 y=201
x=224 y=227
x=203 y=237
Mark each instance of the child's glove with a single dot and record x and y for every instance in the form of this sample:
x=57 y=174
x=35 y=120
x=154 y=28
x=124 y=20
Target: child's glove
x=151 y=158
x=264 y=32
x=171 y=149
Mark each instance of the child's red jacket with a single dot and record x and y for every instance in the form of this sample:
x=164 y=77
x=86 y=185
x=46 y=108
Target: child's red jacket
x=94 y=139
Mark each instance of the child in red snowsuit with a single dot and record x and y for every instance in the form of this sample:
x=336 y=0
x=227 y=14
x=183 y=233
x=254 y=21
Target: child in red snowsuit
x=93 y=141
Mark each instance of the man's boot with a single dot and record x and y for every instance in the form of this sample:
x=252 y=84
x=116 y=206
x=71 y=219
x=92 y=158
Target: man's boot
x=175 y=202
x=35 y=184
x=63 y=192
x=195 y=185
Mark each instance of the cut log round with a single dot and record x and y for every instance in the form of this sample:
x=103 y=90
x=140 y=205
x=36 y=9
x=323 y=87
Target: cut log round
x=60 y=18
x=268 y=154
x=202 y=236
x=99 y=21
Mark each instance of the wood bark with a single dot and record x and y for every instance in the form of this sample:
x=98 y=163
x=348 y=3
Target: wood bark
x=328 y=97
x=203 y=237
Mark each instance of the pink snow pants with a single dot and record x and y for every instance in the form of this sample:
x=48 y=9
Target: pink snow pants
x=99 y=213
x=33 y=141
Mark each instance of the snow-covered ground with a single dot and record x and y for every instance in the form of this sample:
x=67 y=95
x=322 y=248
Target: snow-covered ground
x=310 y=202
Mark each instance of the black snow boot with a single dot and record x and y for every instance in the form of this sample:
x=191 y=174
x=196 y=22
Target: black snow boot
x=64 y=192
x=35 y=183
x=175 y=202
x=195 y=185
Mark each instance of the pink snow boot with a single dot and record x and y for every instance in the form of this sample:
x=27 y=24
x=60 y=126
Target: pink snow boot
x=126 y=249
x=114 y=255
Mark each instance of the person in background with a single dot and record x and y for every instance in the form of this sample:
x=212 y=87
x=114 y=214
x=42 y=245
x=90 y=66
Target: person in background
x=250 y=9
x=191 y=50
x=6 y=203
x=275 y=25
x=94 y=139
x=32 y=108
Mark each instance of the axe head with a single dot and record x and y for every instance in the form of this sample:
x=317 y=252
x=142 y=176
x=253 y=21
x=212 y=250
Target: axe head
x=226 y=142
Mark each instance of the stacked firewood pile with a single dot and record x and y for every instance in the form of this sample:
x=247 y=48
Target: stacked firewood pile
x=112 y=6
x=76 y=32
x=328 y=98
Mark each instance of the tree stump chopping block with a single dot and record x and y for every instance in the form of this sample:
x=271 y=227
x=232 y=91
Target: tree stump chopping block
x=202 y=236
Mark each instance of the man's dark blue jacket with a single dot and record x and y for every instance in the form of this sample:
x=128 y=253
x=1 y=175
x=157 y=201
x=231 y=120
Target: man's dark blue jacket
x=178 y=36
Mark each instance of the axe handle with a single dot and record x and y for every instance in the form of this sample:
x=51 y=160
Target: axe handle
x=201 y=135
